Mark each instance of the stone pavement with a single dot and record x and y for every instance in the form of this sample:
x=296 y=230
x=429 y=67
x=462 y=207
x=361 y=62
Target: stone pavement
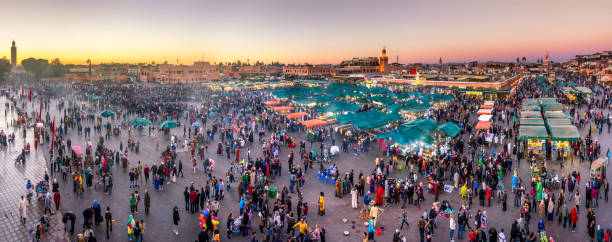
x=159 y=220
x=12 y=185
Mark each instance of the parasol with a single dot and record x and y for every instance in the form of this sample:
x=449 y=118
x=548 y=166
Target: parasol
x=107 y=113
x=168 y=124
x=140 y=122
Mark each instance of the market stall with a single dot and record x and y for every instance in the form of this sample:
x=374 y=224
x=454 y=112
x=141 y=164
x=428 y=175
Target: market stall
x=484 y=111
x=282 y=108
x=561 y=138
x=77 y=156
x=599 y=170
x=314 y=123
x=272 y=103
x=296 y=115
x=484 y=125
x=531 y=122
x=535 y=138
x=485 y=117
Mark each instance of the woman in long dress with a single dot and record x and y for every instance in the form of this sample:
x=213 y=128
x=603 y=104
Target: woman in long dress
x=354 y=197
x=23 y=209
x=155 y=177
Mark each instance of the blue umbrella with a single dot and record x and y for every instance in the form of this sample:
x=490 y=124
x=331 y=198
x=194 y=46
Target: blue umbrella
x=196 y=124
x=213 y=114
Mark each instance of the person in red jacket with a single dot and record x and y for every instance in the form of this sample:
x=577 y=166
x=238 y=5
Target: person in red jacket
x=472 y=236
x=489 y=193
x=379 y=195
x=56 y=200
x=192 y=200
x=574 y=219
x=436 y=191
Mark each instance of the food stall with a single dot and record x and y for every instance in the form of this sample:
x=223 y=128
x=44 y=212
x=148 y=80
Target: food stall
x=534 y=138
x=561 y=138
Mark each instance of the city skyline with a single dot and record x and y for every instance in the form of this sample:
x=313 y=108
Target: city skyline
x=317 y=32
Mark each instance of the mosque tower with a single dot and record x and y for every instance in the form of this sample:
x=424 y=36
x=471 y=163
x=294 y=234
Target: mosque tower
x=384 y=62
x=13 y=55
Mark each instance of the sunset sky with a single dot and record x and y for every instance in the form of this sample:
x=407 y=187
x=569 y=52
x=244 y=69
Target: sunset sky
x=298 y=31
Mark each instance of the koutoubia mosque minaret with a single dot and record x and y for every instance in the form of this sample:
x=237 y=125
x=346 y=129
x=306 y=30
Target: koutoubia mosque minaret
x=13 y=55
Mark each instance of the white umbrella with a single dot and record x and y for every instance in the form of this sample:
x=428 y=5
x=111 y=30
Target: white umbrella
x=334 y=149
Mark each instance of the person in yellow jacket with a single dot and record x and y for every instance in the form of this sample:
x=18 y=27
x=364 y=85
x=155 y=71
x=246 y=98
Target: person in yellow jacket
x=303 y=229
x=464 y=191
x=321 y=205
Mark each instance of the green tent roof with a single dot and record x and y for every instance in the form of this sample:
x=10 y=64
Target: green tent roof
x=406 y=135
x=531 y=114
x=532 y=132
x=368 y=120
x=377 y=90
x=450 y=129
x=548 y=101
x=338 y=106
x=395 y=107
x=564 y=132
x=558 y=121
x=531 y=108
x=555 y=115
x=414 y=106
x=584 y=90
x=530 y=102
x=382 y=100
x=531 y=122
x=405 y=95
x=553 y=107
x=425 y=125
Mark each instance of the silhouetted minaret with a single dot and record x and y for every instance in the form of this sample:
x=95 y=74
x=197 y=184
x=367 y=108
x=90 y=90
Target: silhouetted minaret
x=13 y=54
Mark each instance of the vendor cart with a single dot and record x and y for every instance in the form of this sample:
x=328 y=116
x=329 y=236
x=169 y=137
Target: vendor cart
x=598 y=170
x=77 y=156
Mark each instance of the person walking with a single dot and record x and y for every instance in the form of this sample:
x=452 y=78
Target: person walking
x=354 y=197
x=109 y=221
x=321 y=205
x=56 y=200
x=303 y=227
x=452 y=225
x=176 y=218
x=147 y=202
x=573 y=219
x=404 y=218
x=23 y=209
x=48 y=202
x=132 y=203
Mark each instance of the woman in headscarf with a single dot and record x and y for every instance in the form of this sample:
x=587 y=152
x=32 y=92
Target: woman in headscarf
x=321 y=205
x=97 y=212
x=551 y=206
x=130 y=227
x=379 y=196
x=338 y=188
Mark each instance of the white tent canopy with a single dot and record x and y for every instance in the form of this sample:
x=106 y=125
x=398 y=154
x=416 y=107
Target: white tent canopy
x=485 y=117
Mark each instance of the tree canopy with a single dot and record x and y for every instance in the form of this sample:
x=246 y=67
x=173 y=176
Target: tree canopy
x=5 y=67
x=41 y=68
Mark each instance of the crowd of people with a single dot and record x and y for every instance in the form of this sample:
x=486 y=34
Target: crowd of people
x=249 y=139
